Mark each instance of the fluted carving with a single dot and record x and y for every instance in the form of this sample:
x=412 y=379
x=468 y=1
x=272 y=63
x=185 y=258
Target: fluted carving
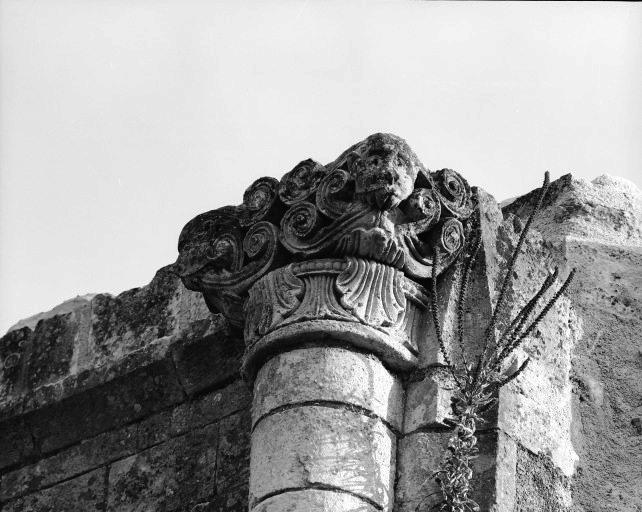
x=376 y=202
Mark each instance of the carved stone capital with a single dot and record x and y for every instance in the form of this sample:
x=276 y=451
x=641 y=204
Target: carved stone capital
x=374 y=207
x=364 y=303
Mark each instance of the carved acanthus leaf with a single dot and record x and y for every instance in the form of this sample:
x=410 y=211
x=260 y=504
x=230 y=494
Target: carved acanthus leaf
x=271 y=300
x=372 y=292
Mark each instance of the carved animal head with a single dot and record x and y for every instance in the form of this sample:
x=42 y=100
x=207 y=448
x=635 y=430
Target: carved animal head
x=385 y=169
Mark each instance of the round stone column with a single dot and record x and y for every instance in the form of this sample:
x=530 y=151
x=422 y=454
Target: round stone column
x=325 y=341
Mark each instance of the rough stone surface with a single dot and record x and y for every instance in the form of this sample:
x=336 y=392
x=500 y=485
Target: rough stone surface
x=129 y=398
x=596 y=227
x=233 y=469
x=85 y=493
x=79 y=459
x=535 y=409
x=328 y=374
x=308 y=446
x=16 y=442
x=541 y=486
x=312 y=500
x=168 y=476
x=607 y=209
x=428 y=400
x=124 y=386
x=107 y=337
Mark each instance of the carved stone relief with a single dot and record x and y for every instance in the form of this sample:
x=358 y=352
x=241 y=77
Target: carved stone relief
x=376 y=202
x=362 y=292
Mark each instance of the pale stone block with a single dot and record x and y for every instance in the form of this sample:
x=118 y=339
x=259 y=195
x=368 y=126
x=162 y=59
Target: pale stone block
x=323 y=446
x=505 y=485
x=420 y=456
x=332 y=374
x=428 y=401
x=313 y=500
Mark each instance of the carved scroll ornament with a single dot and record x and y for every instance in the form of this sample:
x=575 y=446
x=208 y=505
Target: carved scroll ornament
x=376 y=202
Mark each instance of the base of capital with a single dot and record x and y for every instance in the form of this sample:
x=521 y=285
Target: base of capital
x=391 y=350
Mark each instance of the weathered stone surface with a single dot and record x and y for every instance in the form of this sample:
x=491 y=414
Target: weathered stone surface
x=606 y=209
x=169 y=476
x=53 y=346
x=312 y=500
x=211 y=407
x=607 y=376
x=595 y=227
x=68 y=306
x=308 y=446
x=106 y=337
x=16 y=442
x=79 y=459
x=208 y=362
x=117 y=444
x=535 y=409
x=15 y=351
x=428 y=400
x=328 y=374
x=129 y=398
x=85 y=493
x=233 y=466
x=541 y=486
x=127 y=321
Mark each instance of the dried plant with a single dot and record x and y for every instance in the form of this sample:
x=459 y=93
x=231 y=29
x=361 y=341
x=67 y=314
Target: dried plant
x=478 y=377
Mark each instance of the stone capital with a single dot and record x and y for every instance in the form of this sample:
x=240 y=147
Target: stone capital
x=375 y=203
x=323 y=269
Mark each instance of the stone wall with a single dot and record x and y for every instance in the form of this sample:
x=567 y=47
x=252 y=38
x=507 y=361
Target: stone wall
x=136 y=402
x=126 y=403
x=597 y=228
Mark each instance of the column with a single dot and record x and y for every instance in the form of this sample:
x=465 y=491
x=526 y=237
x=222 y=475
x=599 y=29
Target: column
x=326 y=341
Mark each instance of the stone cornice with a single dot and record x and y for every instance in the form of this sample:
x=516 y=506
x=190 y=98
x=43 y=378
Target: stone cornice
x=376 y=201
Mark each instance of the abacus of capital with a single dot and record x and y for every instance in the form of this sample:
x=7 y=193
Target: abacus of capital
x=324 y=271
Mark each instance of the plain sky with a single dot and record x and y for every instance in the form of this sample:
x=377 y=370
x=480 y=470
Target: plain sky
x=120 y=120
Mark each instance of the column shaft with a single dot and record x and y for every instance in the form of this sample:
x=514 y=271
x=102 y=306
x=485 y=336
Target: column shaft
x=325 y=421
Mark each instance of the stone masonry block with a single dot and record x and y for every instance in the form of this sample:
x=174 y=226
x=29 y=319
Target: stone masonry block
x=322 y=446
x=428 y=400
x=53 y=348
x=208 y=362
x=169 y=476
x=85 y=493
x=211 y=407
x=233 y=460
x=116 y=403
x=16 y=442
x=68 y=463
x=332 y=374
x=15 y=349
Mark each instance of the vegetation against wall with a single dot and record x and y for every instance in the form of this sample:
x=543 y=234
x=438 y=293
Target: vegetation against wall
x=478 y=377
